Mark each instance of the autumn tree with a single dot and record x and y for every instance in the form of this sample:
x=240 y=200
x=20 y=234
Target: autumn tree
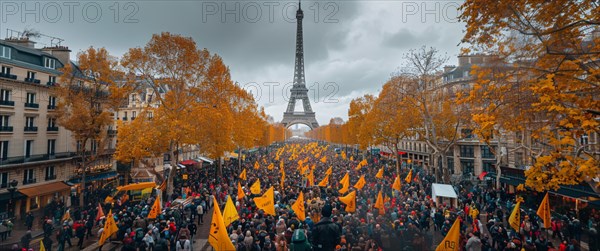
x=87 y=96
x=419 y=84
x=552 y=49
x=357 y=112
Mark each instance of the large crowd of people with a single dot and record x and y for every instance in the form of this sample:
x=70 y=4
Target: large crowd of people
x=409 y=220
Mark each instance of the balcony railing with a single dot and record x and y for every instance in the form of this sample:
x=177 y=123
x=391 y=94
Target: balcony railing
x=30 y=129
x=29 y=181
x=50 y=83
x=6 y=128
x=51 y=177
x=112 y=132
x=52 y=128
x=32 y=105
x=7 y=102
x=51 y=107
x=9 y=76
x=38 y=157
x=32 y=80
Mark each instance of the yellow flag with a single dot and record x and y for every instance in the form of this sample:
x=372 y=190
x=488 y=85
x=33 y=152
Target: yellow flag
x=544 y=212
x=379 y=204
x=345 y=184
x=281 y=165
x=155 y=211
x=396 y=184
x=515 y=217
x=255 y=188
x=351 y=158
x=408 y=177
x=240 y=193
x=329 y=171
x=256 y=165
x=343 y=155
x=218 y=237
x=311 y=178
x=271 y=166
x=380 y=174
x=230 y=213
x=324 y=159
x=298 y=207
x=360 y=183
x=110 y=227
x=450 y=242
x=266 y=202
x=67 y=216
x=42 y=248
x=324 y=182
x=282 y=178
x=243 y=175
x=350 y=201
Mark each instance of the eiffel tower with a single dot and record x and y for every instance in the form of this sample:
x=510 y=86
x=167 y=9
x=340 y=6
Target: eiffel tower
x=299 y=90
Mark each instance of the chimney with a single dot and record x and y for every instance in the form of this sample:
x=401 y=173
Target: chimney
x=62 y=53
x=24 y=41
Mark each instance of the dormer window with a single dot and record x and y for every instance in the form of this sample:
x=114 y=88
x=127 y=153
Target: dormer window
x=50 y=63
x=5 y=52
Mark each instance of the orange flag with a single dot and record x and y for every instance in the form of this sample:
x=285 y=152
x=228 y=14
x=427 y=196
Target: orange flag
x=110 y=227
x=409 y=176
x=379 y=204
x=350 y=201
x=311 y=178
x=243 y=175
x=282 y=182
x=379 y=174
x=345 y=184
x=329 y=171
x=255 y=188
x=256 y=165
x=240 y=193
x=155 y=211
x=324 y=182
x=266 y=202
x=396 y=184
x=100 y=212
x=298 y=207
x=360 y=183
x=544 y=212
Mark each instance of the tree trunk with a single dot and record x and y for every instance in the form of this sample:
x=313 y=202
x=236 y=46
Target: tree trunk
x=397 y=159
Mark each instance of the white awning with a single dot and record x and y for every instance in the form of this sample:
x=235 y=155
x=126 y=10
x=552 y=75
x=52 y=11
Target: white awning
x=443 y=190
x=205 y=159
x=179 y=166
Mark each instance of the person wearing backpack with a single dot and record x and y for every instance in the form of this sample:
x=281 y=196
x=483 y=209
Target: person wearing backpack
x=183 y=244
x=299 y=241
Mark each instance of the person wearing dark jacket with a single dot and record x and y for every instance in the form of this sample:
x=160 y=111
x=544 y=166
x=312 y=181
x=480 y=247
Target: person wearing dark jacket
x=327 y=234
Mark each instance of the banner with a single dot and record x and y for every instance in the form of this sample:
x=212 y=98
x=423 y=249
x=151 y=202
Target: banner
x=230 y=213
x=266 y=202
x=350 y=201
x=298 y=207
x=255 y=188
x=218 y=237
x=360 y=183
x=544 y=212
x=451 y=241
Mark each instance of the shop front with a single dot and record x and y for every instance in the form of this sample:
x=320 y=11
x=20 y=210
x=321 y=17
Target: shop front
x=37 y=197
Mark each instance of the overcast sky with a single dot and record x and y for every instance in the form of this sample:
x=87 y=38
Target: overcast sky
x=350 y=47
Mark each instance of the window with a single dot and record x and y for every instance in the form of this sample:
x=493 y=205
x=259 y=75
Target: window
x=50 y=175
x=4 y=95
x=486 y=153
x=466 y=75
x=133 y=98
x=451 y=164
x=467 y=151
x=29 y=121
x=94 y=146
x=518 y=160
x=31 y=75
x=5 y=51
x=133 y=115
x=125 y=116
x=467 y=133
x=31 y=98
x=28 y=148
x=150 y=115
x=51 y=122
x=51 y=79
x=4 y=180
x=3 y=150
x=467 y=166
x=79 y=146
x=51 y=102
x=28 y=176
x=489 y=166
x=4 y=120
x=51 y=147
x=6 y=70
x=50 y=63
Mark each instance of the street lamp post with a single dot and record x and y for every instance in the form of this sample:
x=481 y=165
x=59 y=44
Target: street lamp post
x=12 y=189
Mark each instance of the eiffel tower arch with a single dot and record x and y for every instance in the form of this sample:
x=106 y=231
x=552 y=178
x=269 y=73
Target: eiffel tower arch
x=299 y=92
